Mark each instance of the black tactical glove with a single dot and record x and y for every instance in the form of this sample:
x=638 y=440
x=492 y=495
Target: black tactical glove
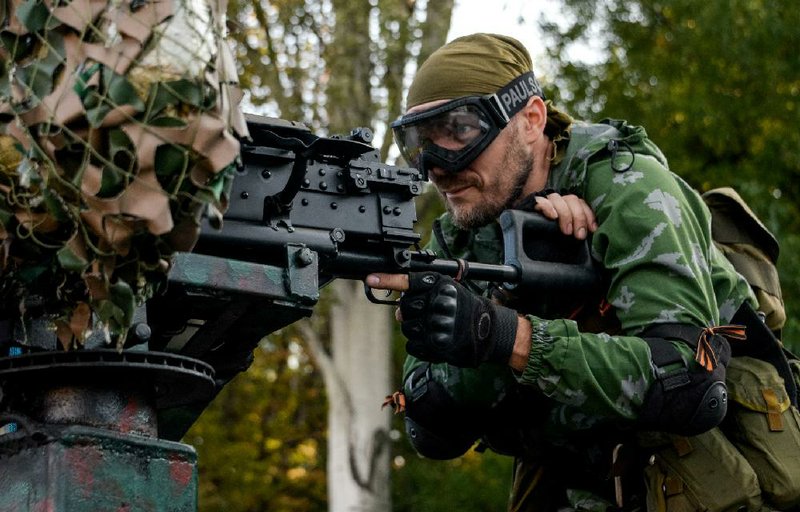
x=445 y=322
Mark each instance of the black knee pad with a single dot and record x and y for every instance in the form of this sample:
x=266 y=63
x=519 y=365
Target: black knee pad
x=436 y=425
x=687 y=399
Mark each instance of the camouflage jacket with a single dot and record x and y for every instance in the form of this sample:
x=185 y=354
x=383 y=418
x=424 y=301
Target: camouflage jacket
x=654 y=246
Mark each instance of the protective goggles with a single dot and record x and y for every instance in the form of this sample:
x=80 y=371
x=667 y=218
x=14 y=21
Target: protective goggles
x=452 y=135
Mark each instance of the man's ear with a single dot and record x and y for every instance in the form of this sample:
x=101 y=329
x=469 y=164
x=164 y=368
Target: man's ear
x=534 y=119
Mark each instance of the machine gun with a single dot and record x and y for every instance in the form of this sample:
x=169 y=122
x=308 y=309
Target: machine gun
x=306 y=210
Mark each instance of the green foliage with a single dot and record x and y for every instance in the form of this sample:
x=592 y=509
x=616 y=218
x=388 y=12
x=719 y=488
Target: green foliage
x=261 y=443
x=297 y=63
x=715 y=84
x=475 y=482
x=278 y=48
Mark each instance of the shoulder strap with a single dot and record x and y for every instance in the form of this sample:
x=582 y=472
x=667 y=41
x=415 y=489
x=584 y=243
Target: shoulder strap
x=762 y=344
x=585 y=140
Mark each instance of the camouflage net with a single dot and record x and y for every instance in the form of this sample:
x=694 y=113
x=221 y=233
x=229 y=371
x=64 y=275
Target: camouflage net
x=117 y=123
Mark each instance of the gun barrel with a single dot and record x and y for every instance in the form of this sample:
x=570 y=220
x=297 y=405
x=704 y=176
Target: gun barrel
x=261 y=244
x=356 y=265
x=471 y=270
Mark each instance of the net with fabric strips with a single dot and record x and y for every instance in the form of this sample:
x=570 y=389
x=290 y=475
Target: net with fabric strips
x=119 y=130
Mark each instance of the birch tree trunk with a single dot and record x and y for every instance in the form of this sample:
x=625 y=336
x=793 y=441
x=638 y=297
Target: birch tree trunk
x=333 y=66
x=358 y=440
x=358 y=431
x=356 y=373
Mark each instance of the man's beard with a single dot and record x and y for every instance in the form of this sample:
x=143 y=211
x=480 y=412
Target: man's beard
x=505 y=194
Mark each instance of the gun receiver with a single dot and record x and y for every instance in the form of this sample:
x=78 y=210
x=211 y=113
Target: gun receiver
x=306 y=210
x=331 y=195
x=334 y=197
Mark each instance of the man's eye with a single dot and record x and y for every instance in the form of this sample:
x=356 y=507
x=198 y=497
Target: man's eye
x=464 y=131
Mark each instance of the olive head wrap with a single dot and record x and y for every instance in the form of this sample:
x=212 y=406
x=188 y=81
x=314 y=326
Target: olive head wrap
x=472 y=65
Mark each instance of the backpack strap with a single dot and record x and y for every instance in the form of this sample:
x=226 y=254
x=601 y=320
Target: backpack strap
x=665 y=355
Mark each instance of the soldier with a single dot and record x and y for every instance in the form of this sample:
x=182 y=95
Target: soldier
x=565 y=394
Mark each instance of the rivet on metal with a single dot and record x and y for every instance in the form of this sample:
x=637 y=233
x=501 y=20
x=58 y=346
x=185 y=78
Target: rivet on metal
x=304 y=256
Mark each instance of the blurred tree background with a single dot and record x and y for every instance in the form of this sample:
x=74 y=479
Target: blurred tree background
x=716 y=84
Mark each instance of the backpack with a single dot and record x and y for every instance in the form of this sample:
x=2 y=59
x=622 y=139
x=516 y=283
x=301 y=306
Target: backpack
x=751 y=248
x=751 y=461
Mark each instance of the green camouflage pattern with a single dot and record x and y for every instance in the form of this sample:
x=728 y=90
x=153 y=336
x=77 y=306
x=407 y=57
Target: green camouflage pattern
x=654 y=244
x=118 y=124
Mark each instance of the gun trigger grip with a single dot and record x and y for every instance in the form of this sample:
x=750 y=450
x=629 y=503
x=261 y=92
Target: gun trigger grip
x=375 y=300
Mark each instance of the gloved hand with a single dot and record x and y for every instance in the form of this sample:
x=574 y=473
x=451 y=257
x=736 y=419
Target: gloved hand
x=445 y=322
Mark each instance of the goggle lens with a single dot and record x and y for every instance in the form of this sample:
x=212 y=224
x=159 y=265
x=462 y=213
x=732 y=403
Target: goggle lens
x=446 y=132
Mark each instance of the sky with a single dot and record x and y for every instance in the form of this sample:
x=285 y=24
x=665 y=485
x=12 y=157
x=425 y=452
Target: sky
x=515 y=18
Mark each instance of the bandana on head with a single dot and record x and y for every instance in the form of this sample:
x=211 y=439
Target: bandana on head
x=472 y=65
